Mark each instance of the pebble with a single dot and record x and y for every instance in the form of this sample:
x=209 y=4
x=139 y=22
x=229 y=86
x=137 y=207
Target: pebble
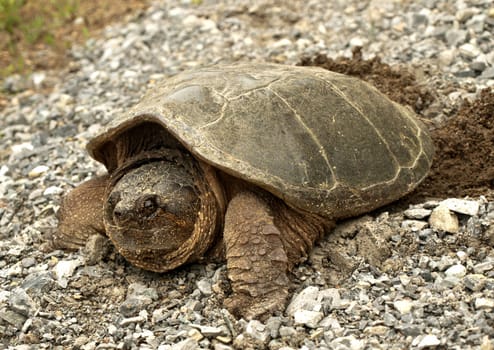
x=462 y=206
x=305 y=300
x=21 y=302
x=96 y=248
x=474 y=282
x=457 y=271
x=204 y=286
x=64 y=270
x=376 y=330
x=417 y=213
x=138 y=297
x=427 y=341
x=414 y=225
x=403 y=306
x=38 y=171
x=483 y=266
x=257 y=330
x=443 y=220
x=484 y=303
x=308 y=318
x=208 y=331
x=347 y=343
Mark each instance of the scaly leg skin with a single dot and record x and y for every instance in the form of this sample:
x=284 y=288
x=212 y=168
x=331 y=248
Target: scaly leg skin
x=81 y=214
x=256 y=259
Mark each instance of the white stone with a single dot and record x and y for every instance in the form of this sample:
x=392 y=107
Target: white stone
x=428 y=341
x=282 y=43
x=462 y=255
x=21 y=147
x=417 y=213
x=208 y=331
x=64 y=269
x=305 y=300
x=308 y=318
x=457 y=271
x=403 y=306
x=38 y=79
x=38 y=170
x=444 y=220
x=52 y=190
x=470 y=50
x=462 y=206
x=4 y=170
x=484 y=303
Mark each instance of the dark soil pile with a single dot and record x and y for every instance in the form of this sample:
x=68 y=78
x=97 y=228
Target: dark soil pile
x=464 y=160
x=397 y=83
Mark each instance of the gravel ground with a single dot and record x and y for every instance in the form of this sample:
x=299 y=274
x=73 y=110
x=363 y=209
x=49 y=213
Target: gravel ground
x=427 y=282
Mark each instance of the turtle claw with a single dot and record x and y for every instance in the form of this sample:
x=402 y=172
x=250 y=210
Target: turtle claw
x=260 y=308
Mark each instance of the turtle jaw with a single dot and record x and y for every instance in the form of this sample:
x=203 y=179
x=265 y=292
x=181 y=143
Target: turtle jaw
x=147 y=249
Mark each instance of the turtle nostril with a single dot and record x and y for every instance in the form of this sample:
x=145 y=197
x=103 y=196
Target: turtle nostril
x=118 y=214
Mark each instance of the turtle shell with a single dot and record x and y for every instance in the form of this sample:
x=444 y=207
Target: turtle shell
x=321 y=141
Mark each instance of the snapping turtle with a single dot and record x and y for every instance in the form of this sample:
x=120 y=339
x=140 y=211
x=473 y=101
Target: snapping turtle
x=252 y=163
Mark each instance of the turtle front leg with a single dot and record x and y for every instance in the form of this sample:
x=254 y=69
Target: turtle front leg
x=256 y=259
x=81 y=214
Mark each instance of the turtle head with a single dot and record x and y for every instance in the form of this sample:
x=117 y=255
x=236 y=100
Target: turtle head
x=154 y=213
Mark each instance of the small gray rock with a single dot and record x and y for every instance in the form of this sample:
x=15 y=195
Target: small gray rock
x=483 y=267
x=488 y=73
x=204 y=285
x=138 y=297
x=22 y=303
x=474 y=282
x=462 y=206
x=96 y=248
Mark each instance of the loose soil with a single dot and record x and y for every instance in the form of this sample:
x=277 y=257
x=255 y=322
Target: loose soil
x=463 y=164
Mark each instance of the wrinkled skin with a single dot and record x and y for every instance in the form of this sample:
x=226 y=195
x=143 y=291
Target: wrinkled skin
x=153 y=207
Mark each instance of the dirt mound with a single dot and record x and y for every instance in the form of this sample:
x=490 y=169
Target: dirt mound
x=396 y=82
x=464 y=160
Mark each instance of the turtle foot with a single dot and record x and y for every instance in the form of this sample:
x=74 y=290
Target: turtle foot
x=260 y=308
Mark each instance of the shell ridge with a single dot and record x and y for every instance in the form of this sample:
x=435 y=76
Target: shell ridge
x=249 y=91
x=222 y=113
x=359 y=111
x=313 y=136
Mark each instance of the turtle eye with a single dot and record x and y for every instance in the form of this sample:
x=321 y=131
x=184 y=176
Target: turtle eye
x=148 y=205
x=114 y=198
